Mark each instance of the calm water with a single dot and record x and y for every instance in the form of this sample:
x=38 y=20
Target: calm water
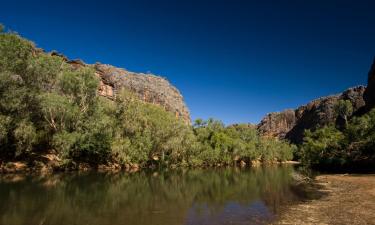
x=193 y=197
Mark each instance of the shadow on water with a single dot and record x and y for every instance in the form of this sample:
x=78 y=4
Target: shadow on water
x=191 y=197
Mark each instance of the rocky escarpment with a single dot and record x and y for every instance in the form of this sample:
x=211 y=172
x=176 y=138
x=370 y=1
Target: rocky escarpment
x=149 y=88
x=291 y=124
x=277 y=124
x=369 y=95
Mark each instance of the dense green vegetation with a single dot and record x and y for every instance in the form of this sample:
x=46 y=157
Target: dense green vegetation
x=224 y=145
x=46 y=105
x=346 y=146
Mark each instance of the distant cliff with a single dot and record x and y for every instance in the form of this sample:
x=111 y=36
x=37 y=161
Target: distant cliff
x=291 y=124
x=369 y=95
x=148 y=87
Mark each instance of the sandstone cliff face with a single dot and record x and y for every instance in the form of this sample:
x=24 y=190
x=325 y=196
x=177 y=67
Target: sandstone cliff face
x=277 y=124
x=370 y=91
x=291 y=124
x=149 y=88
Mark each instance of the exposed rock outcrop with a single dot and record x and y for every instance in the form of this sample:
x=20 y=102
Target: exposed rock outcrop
x=277 y=124
x=369 y=95
x=291 y=124
x=148 y=87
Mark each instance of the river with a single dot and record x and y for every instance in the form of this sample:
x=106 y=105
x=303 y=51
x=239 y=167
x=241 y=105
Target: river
x=178 y=197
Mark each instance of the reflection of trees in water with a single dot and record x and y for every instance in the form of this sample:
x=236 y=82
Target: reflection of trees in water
x=140 y=198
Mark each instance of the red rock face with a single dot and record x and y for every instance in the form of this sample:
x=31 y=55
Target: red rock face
x=277 y=124
x=149 y=88
x=291 y=124
x=370 y=91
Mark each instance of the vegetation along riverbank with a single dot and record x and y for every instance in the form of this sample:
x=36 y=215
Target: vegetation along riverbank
x=58 y=114
x=61 y=114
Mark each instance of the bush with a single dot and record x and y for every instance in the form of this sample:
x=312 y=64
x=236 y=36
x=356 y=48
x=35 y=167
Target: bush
x=350 y=146
x=150 y=133
x=25 y=137
x=45 y=103
x=323 y=146
x=232 y=144
x=15 y=53
x=4 y=129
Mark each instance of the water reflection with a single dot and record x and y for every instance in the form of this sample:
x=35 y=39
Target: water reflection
x=192 y=197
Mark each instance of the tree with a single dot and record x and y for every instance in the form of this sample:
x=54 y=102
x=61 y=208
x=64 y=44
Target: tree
x=15 y=54
x=198 y=123
x=147 y=133
x=25 y=136
x=80 y=87
x=47 y=104
x=59 y=113
x=323 y=146
x=344 y=109
x=4 y=129
x=45 y=70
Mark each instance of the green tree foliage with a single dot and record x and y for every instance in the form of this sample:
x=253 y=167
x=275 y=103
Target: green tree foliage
x=25 y=137
x=232 y=144
x=147 y=133
x=45 y=70
x=329 y=146
x=324 y=146
x=4 y=128
x=15 y=53
x=344 y=109
x=46 y=104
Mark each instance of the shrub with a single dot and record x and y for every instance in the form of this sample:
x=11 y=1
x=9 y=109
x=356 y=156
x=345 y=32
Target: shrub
x=323 y=146
x=45 y=103
x=25 y=137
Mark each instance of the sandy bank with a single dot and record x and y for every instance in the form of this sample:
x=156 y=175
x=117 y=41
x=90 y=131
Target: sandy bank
x=341 y=199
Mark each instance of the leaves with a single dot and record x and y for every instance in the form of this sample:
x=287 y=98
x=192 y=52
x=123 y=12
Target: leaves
x=227 y=145
x=45 y=103
x=329 y=146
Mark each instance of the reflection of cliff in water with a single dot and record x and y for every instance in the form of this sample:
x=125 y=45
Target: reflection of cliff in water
x=176 y=197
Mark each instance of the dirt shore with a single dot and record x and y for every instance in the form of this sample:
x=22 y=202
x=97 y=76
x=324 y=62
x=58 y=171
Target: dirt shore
x=340 y=199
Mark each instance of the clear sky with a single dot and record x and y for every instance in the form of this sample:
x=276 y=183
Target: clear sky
x=232 y=60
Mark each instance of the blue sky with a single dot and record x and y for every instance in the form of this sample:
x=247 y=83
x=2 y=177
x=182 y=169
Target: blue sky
x=231 y=60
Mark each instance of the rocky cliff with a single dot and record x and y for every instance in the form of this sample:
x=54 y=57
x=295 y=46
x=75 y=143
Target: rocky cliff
x=291 y=124
x=369 y=95
x=148 y=87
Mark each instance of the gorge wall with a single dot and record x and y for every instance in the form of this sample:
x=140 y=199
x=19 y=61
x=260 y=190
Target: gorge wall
x=291 y=124
x=148 y=87
x=369 y=95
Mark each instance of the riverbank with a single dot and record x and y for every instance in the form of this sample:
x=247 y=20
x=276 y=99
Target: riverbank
x=49 y=163
x=338 y=199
